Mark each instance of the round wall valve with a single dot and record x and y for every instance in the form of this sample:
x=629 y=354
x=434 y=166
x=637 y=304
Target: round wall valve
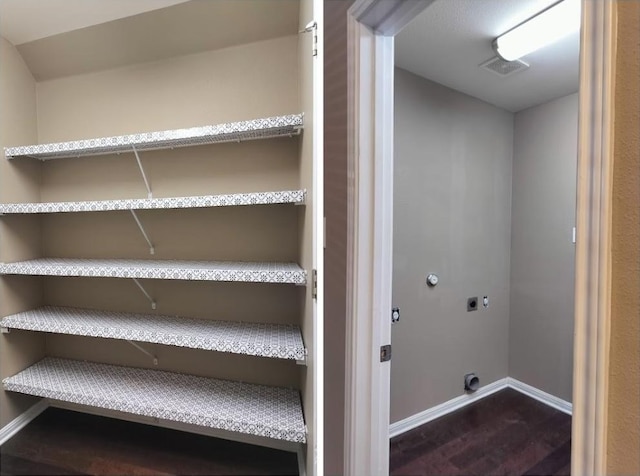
x=471 y=382
x=432 y=279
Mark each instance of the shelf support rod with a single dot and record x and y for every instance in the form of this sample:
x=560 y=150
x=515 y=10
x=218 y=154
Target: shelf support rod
x=144 y=351
x=152 y=250
x=144 y=176
x=144 y=291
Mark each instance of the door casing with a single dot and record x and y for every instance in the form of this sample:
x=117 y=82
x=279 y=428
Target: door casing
x=372 y=25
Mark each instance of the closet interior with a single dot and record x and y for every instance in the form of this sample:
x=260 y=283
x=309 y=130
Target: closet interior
x=485 y=163
x=156 y=223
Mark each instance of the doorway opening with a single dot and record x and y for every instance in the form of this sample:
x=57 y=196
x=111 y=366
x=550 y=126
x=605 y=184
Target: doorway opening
x=484 y=200
x=372 y=26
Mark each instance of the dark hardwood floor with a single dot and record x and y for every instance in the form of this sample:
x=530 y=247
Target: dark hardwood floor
x=61 y=442
x=504 y=434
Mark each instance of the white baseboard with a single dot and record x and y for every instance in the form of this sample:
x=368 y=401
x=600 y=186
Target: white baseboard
x=537 y=394
x=22 y=420
x=445 y=408
x=456 y=403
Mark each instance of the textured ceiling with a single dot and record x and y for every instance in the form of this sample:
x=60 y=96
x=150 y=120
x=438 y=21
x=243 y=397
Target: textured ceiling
x=22 y=21
x=450 y=38
x=181 y=29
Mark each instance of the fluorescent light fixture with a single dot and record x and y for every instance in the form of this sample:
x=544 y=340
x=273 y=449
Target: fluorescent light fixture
x=545 y=28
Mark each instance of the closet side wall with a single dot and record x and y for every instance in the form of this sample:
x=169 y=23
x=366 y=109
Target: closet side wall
x=18 y=181
x=542 y=252
x=452 y=217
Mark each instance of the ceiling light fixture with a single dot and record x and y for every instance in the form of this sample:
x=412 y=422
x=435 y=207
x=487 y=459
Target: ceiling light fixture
x=545 y=28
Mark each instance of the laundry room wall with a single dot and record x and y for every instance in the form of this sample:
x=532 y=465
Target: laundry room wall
x=452 y=216
x=542 y=251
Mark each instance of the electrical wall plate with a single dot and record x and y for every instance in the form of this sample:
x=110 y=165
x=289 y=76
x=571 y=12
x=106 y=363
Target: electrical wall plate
x=472 y=304
x=395 y=314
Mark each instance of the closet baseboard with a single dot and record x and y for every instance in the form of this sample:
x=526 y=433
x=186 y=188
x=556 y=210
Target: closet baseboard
x=22 y=420
x=445 y=408
x=537 y=394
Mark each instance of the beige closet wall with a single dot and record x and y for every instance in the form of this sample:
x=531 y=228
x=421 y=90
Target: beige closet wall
x=623 y=426
x=542 y=252
x=17 y=182
x=238 y=83
x=452 y=216
x=233 y=84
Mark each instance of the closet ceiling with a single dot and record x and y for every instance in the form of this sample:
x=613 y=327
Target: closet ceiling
x=120 y=35
x=22 y=21
x=450 y=38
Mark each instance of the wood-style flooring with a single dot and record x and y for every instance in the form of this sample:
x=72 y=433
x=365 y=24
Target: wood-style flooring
x=61 y=442
x=503 y=434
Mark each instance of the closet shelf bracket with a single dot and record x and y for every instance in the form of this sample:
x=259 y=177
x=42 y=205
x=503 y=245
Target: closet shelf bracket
x=144 y=175
x=4 y=330
x=152 y=250
x=312 y=27
x=144 y=351
x=147 y=295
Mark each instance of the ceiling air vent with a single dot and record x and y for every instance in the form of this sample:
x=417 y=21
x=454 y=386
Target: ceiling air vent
x=504 y=68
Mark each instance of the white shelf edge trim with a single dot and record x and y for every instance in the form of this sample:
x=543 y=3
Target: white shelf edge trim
x=204 y=201
x=226 y=271
x=272 y=412
x=264 y=128
x=278 y=341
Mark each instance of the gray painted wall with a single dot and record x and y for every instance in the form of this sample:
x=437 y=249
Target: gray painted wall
x=452 y=216
x=542 y=254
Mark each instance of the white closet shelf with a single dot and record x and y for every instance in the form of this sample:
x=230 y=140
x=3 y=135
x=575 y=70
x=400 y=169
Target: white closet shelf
x=203 y=201
x=261 y=410
x=278 y=341
x=240 y=271
x=265 y=128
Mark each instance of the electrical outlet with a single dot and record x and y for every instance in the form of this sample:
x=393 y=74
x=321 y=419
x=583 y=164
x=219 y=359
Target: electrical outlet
x=472 y=304
x=395 y=314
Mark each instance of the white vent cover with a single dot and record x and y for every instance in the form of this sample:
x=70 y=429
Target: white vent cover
x=502 y=67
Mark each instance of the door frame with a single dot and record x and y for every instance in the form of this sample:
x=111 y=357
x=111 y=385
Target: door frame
x=315 y=454
x=371 y=26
